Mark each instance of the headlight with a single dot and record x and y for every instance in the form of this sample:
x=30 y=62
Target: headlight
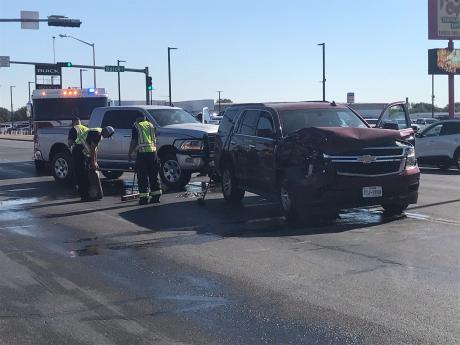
x=189 y=145
x=410 y=158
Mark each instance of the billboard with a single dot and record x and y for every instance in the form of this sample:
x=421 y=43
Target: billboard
x=443 y=19
x=443 y=61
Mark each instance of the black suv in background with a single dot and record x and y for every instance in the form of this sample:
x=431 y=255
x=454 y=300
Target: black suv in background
x=313 y=156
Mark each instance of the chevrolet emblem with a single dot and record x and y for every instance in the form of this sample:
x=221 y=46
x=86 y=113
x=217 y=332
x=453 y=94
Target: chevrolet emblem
x=366 y=159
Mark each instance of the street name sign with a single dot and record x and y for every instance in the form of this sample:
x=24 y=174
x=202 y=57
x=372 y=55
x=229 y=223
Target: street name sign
x=114 y=68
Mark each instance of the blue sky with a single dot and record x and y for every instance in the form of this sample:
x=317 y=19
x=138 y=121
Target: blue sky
x=259 y=50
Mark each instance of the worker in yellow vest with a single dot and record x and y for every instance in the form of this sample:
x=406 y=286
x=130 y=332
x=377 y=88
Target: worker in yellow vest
x=84 y=153
x=143 y=140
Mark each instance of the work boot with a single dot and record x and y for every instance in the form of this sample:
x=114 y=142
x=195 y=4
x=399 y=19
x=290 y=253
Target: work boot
x=143 y=201
x=155 y=199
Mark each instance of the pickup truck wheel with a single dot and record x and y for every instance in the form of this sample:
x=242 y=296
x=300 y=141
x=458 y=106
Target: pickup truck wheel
x=61 y=168
x=171 y=173
x=287 y=206
x=230 y=187
x=394 y=209
x=112 y=174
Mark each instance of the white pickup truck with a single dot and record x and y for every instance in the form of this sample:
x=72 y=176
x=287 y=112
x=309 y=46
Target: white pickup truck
x=184 y=145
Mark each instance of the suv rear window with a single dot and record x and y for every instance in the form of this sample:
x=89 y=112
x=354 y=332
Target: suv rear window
x=294 y=120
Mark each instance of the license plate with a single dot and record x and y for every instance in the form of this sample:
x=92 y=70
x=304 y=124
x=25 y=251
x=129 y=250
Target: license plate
x=372 y=192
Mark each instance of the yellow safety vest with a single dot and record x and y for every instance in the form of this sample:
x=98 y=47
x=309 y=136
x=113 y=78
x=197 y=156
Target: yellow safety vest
x=146 y=137
x=80 y=131
x=83 y=135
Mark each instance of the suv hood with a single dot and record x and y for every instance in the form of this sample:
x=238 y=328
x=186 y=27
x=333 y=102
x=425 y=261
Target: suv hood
x=336 y=140
x=195 y=130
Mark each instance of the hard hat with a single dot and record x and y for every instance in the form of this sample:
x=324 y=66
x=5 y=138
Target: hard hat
x=109 y=130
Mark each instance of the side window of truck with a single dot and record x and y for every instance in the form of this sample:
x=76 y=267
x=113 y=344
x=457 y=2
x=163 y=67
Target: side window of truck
x=120 y=119
x=265 y=128
x=248 y=122
x=228 y=120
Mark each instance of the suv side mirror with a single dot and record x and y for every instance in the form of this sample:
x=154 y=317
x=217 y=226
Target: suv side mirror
x=415 y=128
x=265 y=133
x=391 y=125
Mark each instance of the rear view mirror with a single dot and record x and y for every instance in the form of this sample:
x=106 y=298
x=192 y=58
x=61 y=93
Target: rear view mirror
x=391 y=125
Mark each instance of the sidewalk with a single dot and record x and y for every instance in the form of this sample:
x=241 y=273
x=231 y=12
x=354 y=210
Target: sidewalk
x=17 y=137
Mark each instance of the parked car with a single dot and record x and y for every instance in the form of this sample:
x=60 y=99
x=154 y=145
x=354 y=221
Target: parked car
x=312 y=156
x=439 y=144
x=184 y=145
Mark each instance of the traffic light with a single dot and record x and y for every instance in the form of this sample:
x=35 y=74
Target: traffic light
x=64 y=64
x=63 y=21
x=149 y=84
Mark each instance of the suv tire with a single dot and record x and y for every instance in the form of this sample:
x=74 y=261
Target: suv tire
x=457 y=159
x=394 y=209
x=171 y=173
x=230 y=186
x=61 y=168
x=112 y=174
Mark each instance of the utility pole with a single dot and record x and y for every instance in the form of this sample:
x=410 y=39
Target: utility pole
x=324 y=70
x=119 y=92
x=219 y=91
x=11 y=99
x=169 y=73
x=81 y=77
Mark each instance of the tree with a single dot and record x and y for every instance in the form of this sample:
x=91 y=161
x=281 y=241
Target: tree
x=225 y=100
x=4 y=115
x=423 y=108
x=21 y=114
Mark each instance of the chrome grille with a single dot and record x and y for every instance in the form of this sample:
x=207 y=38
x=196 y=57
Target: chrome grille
x=374 y=161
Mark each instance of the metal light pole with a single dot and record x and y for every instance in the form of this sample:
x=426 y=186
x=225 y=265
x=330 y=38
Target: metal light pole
x=119 y=92
x=169 y=73
x=81 y=77
x=30 y=82
x=94 y=53
x=54 y=58
x=219 y=99
x=11 y=98
x=324 y=70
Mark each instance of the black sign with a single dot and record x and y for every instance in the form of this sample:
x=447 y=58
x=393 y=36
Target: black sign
x=47 y=86
x=114 y=68
x=443 y=61
x=47 y=69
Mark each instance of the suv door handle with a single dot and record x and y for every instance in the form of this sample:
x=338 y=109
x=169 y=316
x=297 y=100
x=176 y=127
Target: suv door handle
x=251 y=146
x=126 y=136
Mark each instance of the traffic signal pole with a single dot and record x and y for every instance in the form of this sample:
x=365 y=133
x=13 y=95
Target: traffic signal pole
x=135 y=70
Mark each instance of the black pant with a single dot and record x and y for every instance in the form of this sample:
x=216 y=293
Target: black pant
x=80 y=168
x=147 y=168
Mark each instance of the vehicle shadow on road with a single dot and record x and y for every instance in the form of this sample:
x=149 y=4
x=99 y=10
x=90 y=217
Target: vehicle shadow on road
x=435 y=171
x=254 y=218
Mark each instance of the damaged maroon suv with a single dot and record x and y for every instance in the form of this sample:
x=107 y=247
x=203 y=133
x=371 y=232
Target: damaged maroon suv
x=314 y=156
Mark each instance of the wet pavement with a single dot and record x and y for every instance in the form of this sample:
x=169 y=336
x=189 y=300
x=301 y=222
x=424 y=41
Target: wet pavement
x=181 y=272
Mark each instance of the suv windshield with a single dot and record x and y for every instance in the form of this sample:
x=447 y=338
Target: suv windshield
x=294 y=120
x=166 y=117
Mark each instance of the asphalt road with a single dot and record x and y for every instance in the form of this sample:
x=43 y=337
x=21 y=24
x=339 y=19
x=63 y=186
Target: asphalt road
x=109 y=272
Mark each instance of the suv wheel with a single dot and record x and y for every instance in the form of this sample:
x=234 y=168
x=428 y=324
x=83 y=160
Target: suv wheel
x=457 y=159
x=230 y=186
x=171 y=173
x=287 y=205
x=61 y=168
x=394 y=209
